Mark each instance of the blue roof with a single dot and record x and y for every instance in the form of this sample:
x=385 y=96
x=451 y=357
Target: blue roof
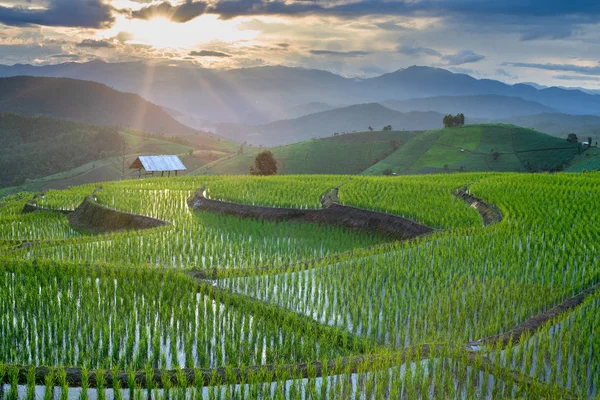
x=160 y=163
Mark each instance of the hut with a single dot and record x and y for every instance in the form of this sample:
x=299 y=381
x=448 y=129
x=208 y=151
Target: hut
x=162 y=164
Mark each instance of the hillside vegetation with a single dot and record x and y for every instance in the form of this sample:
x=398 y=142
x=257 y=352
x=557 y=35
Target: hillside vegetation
x=491 y=147
x=349 y=153
x=32 y=147
x=85 y=101
x=38 y=153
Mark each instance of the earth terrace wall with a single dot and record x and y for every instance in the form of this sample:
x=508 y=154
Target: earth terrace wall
x=336 y=214
x=94 y=217
x=489 y=214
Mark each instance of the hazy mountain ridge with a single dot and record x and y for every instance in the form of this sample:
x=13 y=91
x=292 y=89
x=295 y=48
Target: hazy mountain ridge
x=479 y=106
x=326 y=123
x=85 y=101
x=263 y=94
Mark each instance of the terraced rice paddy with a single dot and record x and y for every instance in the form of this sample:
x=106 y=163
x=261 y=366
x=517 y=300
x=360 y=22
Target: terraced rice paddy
x=187 y=311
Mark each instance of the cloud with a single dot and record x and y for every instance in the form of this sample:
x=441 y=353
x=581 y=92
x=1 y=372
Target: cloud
x=208 y=53
x=283 y=45
x=180 y=13
x=412 y=49
x=581 y=69
x=66 y=56
x=462 y=57
x=355 y=53
x=69 y=13
x=547 y=31
x=505 y=73
x=577 y=78
x=96 y=44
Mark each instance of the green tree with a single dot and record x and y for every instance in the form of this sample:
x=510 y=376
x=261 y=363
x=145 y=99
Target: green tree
x=572 y=138
x=264 y=164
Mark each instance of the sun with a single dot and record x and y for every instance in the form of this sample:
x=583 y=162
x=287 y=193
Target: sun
x=163 y=33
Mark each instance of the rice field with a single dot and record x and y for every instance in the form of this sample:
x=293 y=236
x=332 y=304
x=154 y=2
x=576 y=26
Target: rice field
x=338 y=314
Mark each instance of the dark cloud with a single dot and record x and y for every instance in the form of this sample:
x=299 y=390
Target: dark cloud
x=412 y=49
x=70 y=13
x=208 y=53
x=283 y=45
x=559 y=67
x=462 y=57
x=355 y=53
x=180 y=13
x=96 y=44
x=577 y=78
x=550 y=31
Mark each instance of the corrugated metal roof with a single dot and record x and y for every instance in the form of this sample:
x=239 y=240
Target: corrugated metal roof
x=161 y=163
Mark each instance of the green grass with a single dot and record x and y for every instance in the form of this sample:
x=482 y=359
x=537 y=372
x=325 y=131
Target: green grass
x=344 y=154
x=486 y=147
x=467 y=137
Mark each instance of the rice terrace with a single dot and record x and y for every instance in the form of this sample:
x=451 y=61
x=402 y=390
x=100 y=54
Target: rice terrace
x=473 y=285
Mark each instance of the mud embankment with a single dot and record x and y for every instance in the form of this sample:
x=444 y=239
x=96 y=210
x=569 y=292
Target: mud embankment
x=387 y=225
x=94 y=217
x=490 y=214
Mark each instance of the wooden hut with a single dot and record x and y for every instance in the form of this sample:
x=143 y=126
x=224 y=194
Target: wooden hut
x=162 y=164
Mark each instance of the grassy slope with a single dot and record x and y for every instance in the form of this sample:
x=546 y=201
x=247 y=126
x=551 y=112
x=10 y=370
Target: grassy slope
x=588 y=161
x=344 y=154
x=105 y=169
x=472 y=148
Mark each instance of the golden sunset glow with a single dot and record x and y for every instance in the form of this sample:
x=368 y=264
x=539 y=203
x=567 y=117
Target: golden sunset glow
x=162 y=33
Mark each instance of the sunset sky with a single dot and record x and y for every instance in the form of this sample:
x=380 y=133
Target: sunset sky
x=552 y=42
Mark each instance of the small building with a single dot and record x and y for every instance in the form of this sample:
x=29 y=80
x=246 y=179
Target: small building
x=162 y=164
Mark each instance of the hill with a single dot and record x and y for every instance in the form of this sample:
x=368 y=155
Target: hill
x=559 y=125
x=346 y=119
x=350 y=153
x=491 y=147
x=32 y=147
x=480 y=106
x=264 y=94
x=45 y=152
x=85 y=101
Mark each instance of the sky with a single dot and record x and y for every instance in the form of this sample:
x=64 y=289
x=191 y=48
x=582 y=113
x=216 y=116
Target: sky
x=549 y=42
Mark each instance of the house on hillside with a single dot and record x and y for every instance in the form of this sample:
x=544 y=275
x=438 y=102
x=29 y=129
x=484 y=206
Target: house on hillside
x=162 y=164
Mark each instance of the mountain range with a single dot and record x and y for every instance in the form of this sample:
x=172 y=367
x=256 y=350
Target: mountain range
x=357 y=117
x=85 y=101
x=261 y=95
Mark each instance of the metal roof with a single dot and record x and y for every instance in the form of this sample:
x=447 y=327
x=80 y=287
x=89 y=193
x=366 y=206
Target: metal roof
x=159 y=163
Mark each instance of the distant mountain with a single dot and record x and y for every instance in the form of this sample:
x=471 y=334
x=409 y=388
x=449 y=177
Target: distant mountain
x=85 y=101
x=479 y=106
x=309 y=108
x=346 y=119
x=264 y=94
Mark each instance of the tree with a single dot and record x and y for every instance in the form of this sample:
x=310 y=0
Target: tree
x=589 y=141
x=387 y=128
x=241 y=149
x=371 y=128
x=495 y=155
x=264 y=164
x=388 y=172
x=451 y=121
x=572 y=138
